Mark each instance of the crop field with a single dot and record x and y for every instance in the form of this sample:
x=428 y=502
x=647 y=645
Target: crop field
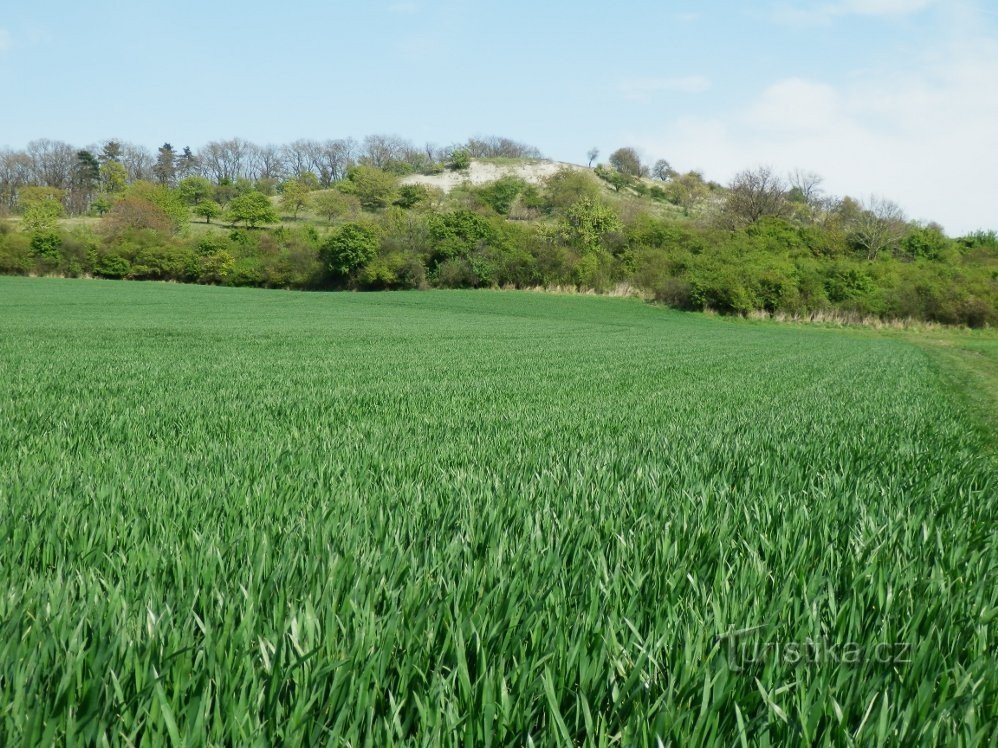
x=244 y=517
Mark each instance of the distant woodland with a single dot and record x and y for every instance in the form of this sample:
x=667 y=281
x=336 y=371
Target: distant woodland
x=347 y=214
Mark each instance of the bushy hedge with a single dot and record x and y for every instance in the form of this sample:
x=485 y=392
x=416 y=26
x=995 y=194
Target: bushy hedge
x=773 y=265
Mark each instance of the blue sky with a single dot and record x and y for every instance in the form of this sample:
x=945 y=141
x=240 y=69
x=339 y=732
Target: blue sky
x=893 y=97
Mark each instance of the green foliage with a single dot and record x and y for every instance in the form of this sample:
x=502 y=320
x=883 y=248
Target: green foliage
x=925 y=241
x=460 y=160
x=500 y=194
x=588 y=221
x=568 y=186
x=251 y=208
x=396 y=270
x=460 y=233
x=295 y=194
x=980 y=239
x=332 y=204
x=167 y=200
x=207 y=209
x=113 y=177
x=351 y=247
x=478 y=519
x=374 y=188
x=112 y=266
x=195 y=189
x=614 y=177
x=627 y=162
x=411 y=195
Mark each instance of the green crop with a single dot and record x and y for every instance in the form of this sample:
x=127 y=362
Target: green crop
x=239 y=517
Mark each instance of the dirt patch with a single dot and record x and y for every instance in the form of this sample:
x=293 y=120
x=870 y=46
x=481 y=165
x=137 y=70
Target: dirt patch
x=483 y=172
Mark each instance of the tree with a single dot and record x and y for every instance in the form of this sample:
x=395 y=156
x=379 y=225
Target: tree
x=501 y=193
x=187 y=163
x=493 y=146
x=688 y=191
x=165 y=169
x=42 y=210
x=566 y=187
x=663 y=171
x=387 y=152
x=754 y=194
x=167 y=200
x=878 y=227
x=223 y=160
x=411 y=195
x=207 y=209
x=113 y=177
x=84 y=182
x=350 y=248
x=294 y=195
x=52 y=162
x=373 y=187
x=252 y=208
x=110 y=151
x=588 y=221
x=460 y=160
x=627 y=161
x=334 y=203
x=614 y=177
x=194 y=189
x=133 y=212
x=805 y=187
x=592 y=155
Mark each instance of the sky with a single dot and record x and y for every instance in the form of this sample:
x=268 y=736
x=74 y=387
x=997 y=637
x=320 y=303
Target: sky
x=894 y=98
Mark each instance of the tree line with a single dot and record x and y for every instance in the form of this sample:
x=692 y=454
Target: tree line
x=83 y=173
x=338 y=214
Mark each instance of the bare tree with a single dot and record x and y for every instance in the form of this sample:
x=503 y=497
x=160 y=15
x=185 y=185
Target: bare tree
x=269 y=162
x=494 y=146
x=52 y=162
x=805 y=186
x=334 y=158
x=754 y=194
x=385 y=151
x=301 y=157
x=878 y=227
x=15 y=172
x=225 y=160
x=138 y=162
x=592 y=155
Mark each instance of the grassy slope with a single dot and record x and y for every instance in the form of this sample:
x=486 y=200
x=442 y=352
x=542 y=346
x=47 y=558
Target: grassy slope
x=467 y=515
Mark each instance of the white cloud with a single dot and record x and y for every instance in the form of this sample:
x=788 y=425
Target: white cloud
x=641 y=89
x=927 y=138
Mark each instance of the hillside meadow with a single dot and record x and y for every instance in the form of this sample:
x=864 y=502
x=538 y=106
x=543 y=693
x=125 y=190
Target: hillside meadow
x=256 y=517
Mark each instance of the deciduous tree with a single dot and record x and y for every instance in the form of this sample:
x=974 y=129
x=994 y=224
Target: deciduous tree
x=252 y=208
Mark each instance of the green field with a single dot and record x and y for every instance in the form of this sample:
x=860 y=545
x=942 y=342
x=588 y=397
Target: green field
x=239 y=517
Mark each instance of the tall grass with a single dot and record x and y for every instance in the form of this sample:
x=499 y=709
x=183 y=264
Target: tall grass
x=251 y=518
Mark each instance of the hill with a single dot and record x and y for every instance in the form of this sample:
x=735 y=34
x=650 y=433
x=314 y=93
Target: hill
x=392 y=218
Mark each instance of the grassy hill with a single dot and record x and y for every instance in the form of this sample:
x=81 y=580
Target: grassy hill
x=754 y=247
x=235 y=515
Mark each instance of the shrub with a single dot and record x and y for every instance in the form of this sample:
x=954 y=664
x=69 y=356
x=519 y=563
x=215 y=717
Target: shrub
x=500 y=194
x=112 y=266
x=459 y=160
x=351 y=247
